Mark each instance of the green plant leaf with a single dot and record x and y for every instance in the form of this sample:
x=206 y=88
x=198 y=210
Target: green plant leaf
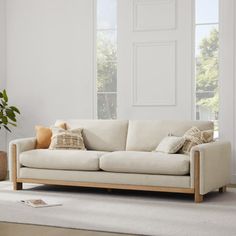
x=4 y=104
x=11 y=123
x=7 y=113
x=10 y=114
x=7 y=128
x=4 y=120
x=5 y=97
x=15 y=109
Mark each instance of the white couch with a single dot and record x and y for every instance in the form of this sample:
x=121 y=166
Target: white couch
x=120 y=155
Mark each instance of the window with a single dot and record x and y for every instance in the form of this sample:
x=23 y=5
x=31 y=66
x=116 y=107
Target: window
x=106 y=59
x=207 y=60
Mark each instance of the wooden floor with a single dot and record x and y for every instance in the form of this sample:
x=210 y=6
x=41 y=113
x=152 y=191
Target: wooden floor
x=11 y=229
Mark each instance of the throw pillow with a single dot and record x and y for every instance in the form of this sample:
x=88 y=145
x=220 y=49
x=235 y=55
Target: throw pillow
x=67 y=139
x=170 y=144
x=195 y=136
x=44 y=134
x=207 y=136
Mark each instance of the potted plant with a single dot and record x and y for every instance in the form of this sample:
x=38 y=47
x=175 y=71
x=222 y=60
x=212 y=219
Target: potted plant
x=7 y=119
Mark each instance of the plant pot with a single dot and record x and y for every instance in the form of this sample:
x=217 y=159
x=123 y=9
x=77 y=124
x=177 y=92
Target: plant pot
x=3 y=165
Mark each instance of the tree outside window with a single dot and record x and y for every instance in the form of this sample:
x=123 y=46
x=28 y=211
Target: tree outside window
x=207 y=61
x=106 y=59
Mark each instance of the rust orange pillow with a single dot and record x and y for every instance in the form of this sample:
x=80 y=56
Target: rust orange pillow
x=44 y=134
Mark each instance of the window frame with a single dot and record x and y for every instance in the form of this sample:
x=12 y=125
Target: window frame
x=195 y=26
x=96 y=92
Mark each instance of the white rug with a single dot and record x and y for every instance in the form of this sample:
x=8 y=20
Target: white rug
x=122 y=211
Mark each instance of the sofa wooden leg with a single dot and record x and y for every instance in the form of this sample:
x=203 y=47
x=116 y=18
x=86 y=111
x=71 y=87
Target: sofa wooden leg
x=198 y=198
x=222 y=189
x=17 y=186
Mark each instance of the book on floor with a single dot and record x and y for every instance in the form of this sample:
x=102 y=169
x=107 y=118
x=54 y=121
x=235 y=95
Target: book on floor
x=40 y=203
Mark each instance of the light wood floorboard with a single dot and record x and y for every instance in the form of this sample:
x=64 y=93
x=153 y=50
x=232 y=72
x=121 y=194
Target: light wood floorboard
x=12 y=229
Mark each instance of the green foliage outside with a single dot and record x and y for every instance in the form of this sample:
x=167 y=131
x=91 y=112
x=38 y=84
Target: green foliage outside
x=7 y=113
x=106 y=64
x=207 y=69
x=106 y=76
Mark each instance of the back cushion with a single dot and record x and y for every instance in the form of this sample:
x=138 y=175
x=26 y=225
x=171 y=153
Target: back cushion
x=102 y=135
x=146 y=135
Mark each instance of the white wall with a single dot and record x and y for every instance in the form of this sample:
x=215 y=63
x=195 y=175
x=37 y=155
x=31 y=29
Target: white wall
x=155 y=59
x=50 y=57
x=2 y=62
x=227 y=119
x=50 y=61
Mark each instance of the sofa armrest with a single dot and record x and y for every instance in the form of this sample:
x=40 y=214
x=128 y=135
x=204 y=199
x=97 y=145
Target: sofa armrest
x=214 y=166
x=15 y=148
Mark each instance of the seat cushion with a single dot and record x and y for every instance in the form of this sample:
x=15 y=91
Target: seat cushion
x=145 y=163
x=61 y=159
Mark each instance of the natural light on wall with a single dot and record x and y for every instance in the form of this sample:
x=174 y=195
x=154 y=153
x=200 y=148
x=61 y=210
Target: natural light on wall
x=106 y=59
x=207 y=61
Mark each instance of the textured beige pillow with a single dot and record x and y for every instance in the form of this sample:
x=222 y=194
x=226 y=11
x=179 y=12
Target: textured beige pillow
x=67 y=139
x=195 y=136
x=207 y=136
x=170 y=144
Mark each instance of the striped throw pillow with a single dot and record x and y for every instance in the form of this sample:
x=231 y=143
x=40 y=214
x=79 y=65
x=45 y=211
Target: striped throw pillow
x=67 y=139
x=195 y=136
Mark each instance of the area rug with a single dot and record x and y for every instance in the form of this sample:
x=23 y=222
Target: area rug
x=122 y=211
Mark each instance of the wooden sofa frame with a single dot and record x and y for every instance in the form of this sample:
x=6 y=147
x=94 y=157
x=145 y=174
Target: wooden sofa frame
x=18 y=182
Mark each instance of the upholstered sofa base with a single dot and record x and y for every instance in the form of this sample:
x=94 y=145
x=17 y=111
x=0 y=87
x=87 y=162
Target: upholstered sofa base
x=106 y=177
x=101 y=179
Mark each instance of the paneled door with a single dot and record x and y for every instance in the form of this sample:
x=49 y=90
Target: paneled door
x=155 y=59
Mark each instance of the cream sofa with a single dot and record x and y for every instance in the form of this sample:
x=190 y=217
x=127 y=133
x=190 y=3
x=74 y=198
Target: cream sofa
x=120 y=155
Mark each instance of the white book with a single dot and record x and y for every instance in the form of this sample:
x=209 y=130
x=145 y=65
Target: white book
x=39 y=203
